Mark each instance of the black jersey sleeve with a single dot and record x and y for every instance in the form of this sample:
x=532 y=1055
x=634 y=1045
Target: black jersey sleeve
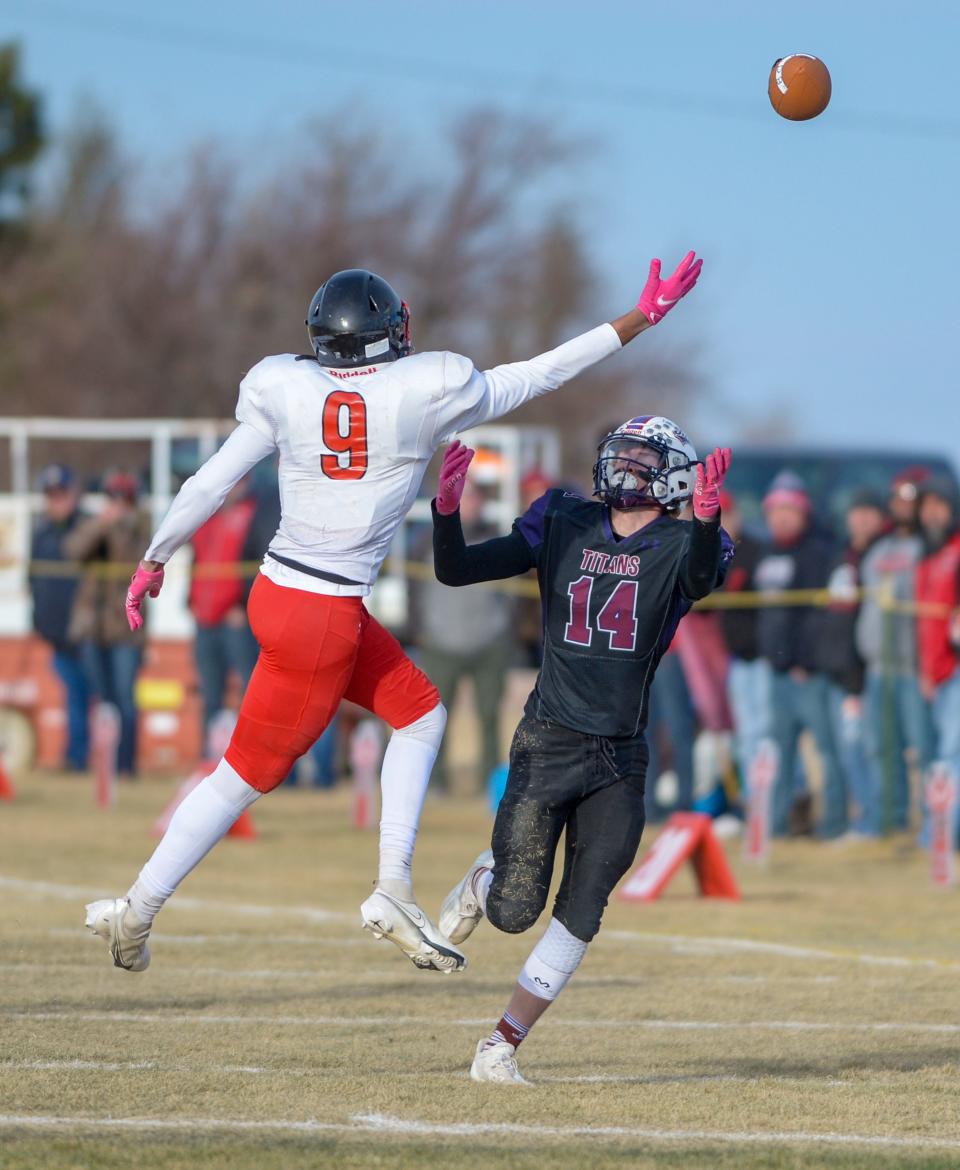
x=704 y=565
x=457 y=563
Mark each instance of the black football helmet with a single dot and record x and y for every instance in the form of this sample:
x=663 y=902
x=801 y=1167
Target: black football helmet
x=356 y=319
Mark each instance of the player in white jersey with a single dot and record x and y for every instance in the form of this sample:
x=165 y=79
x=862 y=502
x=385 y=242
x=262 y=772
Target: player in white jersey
x=355 y=424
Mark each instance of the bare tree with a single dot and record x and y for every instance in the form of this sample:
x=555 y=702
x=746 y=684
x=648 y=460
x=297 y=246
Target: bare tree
x=22 y=137
x=131 y=305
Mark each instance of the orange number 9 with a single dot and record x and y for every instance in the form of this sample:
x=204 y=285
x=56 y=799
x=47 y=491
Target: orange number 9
x=350 y=440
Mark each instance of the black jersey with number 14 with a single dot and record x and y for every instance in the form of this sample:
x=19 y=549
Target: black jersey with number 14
x=611 y=606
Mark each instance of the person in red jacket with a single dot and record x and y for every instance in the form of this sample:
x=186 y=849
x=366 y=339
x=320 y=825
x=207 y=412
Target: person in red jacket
x=938 y=621
x=218 y=598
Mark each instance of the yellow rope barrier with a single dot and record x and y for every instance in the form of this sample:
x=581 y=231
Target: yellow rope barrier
x=517 y=586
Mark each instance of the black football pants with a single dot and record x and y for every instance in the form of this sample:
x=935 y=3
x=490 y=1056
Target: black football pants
x=590 y=785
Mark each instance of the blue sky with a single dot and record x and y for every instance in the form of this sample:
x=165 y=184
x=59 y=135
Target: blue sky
x=831 y=247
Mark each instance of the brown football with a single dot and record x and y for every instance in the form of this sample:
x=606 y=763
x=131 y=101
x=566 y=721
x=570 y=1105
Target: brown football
x=799 y=86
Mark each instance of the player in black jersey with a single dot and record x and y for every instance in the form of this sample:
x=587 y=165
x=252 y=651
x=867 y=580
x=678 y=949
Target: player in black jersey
x=615 y=579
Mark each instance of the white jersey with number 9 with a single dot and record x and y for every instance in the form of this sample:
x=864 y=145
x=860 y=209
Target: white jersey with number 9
x=354 y=445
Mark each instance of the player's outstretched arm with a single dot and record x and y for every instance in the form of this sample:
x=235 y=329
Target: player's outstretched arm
x=472 y=397
x=704 y=564
x=658 y=297
x=455 y=562
x=193 y=505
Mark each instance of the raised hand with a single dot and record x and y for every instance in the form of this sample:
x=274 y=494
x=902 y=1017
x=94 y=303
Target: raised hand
x=453 y=476
x=143 y=583
x=659 y=296
x=710 y=476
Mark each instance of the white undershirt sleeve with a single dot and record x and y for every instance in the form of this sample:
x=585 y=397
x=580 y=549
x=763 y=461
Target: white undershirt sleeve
x=204 y=492
x=471 y=397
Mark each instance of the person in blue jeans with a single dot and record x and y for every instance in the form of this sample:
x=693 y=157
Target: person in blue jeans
x=897 y=716
x=749 y=677
x=798 y=557
x=938 y=622
x=670 y=711
x=107 y=544
x=53 y=594
x=111 y=670
x=866 y=521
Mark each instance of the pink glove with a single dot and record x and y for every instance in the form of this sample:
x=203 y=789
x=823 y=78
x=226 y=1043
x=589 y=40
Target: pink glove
x=453 y=477
x=706 y=491
x=143 y=584
x=659 y=296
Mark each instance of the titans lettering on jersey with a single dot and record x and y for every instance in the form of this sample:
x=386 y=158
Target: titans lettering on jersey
x=600 y=562
x=610 y=609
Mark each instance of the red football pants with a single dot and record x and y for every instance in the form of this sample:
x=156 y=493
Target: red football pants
x=315 y=650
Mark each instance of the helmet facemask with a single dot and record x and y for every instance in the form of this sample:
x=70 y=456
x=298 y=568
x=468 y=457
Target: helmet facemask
x=352 y=349
x=634 y=470
x=626 y=470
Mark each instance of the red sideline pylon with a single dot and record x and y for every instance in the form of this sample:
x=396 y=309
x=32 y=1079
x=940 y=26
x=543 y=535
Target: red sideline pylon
x=685 y=836
x=7 y=791
x=243 y=827
x=366 y=751
x=940 y=790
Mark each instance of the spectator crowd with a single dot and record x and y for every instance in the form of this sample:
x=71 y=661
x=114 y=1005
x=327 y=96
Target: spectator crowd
x=862 y=655
x=869 y=667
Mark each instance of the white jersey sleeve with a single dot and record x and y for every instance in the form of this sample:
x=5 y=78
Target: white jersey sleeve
x=253 y=404
x=204 y=492
x=470 y=397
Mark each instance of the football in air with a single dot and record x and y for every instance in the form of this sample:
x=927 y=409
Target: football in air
x=799 y=87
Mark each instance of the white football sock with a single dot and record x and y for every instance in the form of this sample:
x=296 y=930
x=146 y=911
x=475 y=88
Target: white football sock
x=407 y=764
x=552 y=962
x=199 y=822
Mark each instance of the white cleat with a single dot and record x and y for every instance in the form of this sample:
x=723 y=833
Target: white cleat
x=461 y=911
x=497 y=1064
x=406 y=925
x=112 y=920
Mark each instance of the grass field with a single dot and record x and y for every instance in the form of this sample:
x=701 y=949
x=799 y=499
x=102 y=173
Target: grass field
x=814 y=1024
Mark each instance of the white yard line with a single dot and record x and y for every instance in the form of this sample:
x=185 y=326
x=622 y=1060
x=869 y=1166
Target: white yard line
x=182 y=1124
x=148 y=1066
x=363 y=940
x=275 y=1021
x=241 y=909
x=755 y=1137
x=710 y=945
x=583 y=984
x=585 y=981
x=96 y=971
x=259 y=1070
x=381 y=1124
x=696 y=1078
x=387 y=1020
x=681 y=944
x=81 y=1065
x=360 y=939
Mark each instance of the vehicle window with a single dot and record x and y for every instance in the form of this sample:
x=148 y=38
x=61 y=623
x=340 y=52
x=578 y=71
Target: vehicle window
x=751 y=476
x=831 y=479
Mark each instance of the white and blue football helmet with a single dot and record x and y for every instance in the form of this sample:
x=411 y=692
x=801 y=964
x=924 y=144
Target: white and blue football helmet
x=623 y=478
